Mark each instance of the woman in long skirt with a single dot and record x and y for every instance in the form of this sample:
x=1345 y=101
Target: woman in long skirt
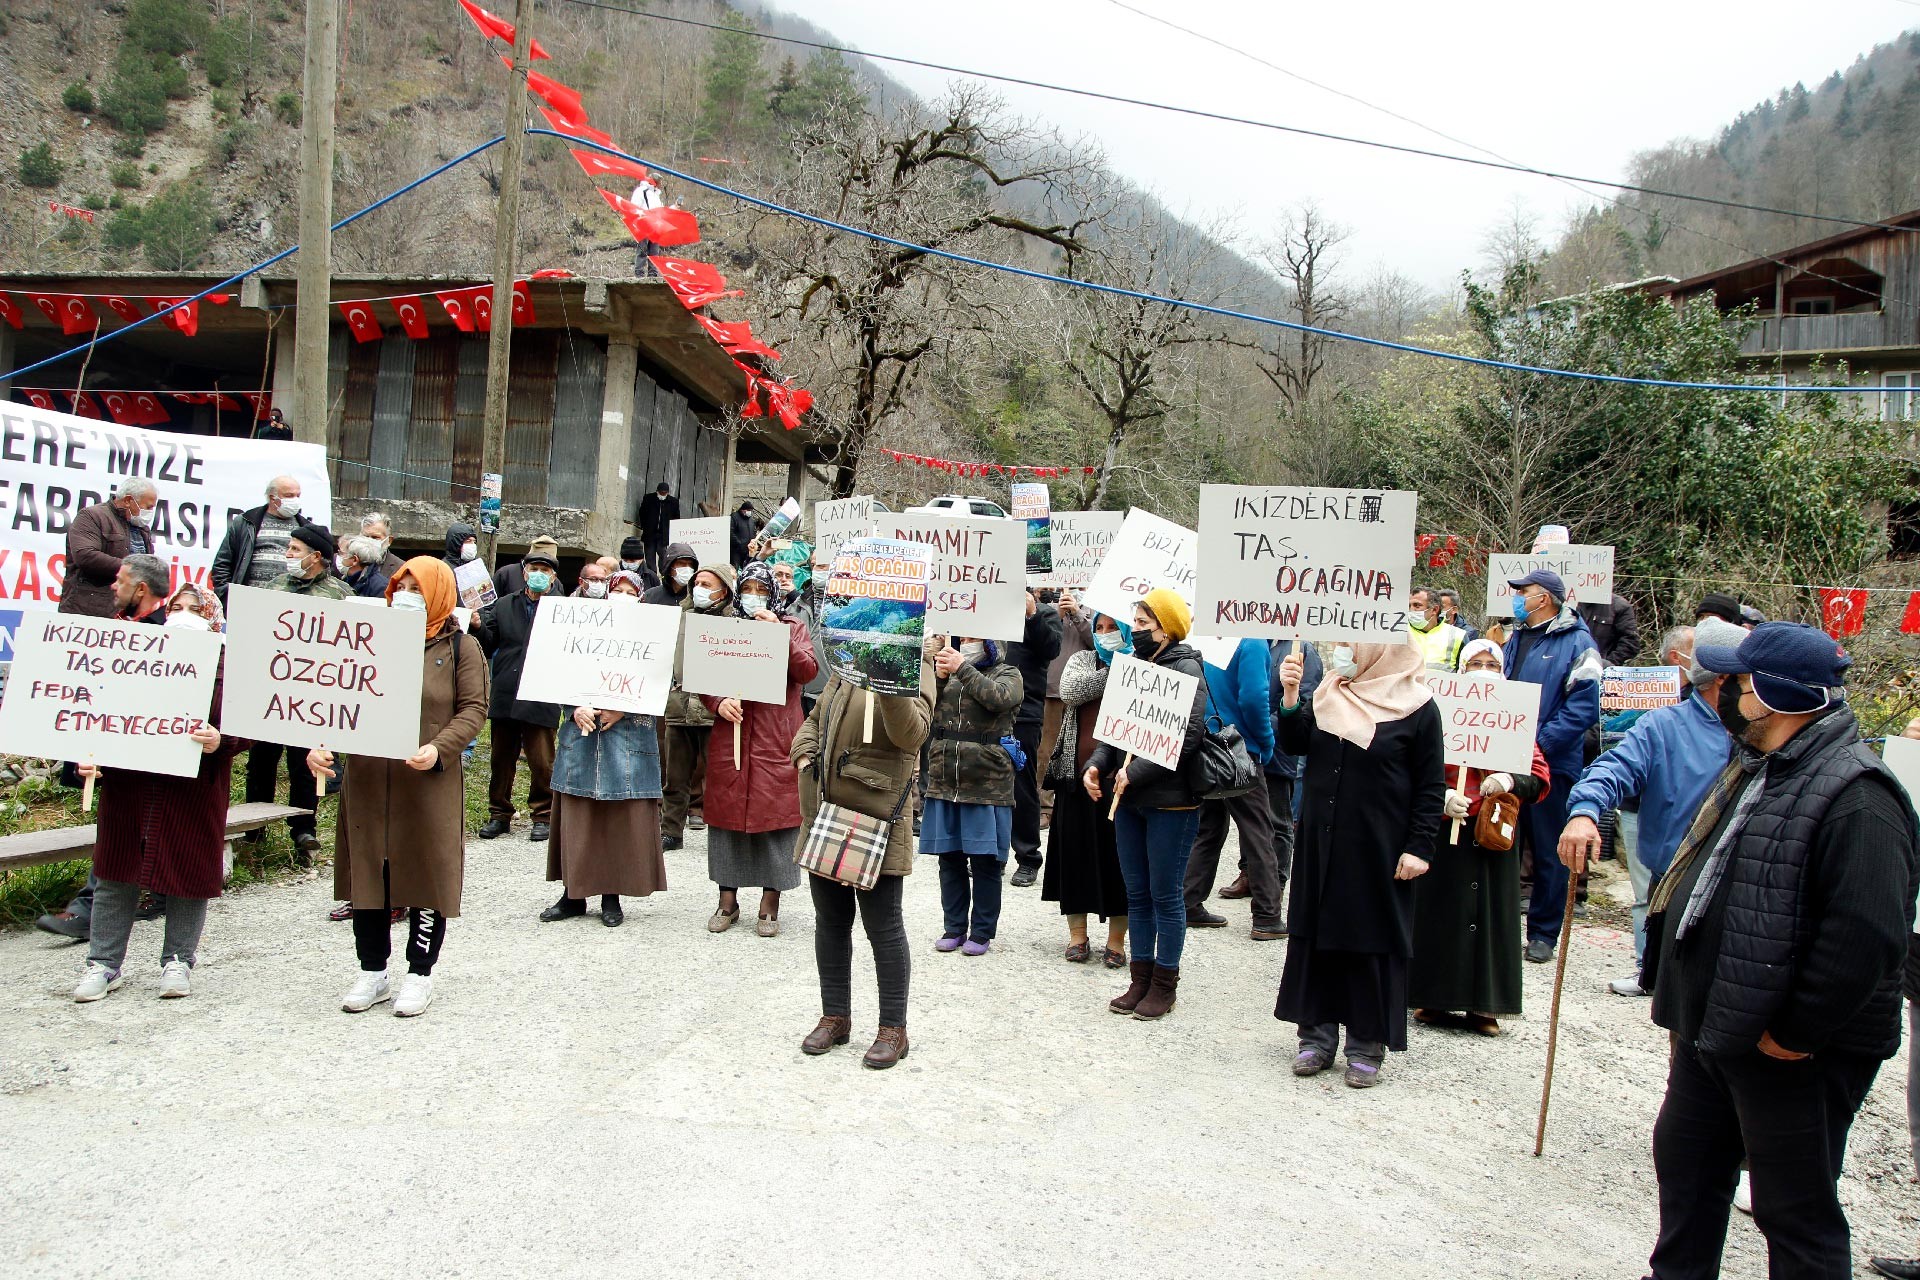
x=1083 y=868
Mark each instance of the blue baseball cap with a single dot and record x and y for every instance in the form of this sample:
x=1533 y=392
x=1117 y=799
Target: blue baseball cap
x=1794 y=666
x=1546 y=578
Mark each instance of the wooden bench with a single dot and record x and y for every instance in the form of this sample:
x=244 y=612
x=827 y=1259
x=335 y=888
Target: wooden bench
x=64 y=844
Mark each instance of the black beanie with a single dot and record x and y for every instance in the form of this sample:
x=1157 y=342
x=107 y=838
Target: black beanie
x=315 y=537
x=632 y=549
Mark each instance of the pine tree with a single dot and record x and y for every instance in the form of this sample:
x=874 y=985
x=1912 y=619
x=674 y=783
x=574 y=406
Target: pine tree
x=733 y=107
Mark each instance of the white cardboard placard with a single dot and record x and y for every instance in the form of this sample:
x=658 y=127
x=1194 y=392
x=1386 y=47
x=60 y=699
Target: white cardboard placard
x=1283 y=563
x=309 y=672
x=123 y=695
x=979 y=572
x=1487 y=723
x=475 y=585
x=614 y=654
x=1147 y=552
x=1080 y=543
x=836 y=521
x=1586 y=569
x=1145 y=710
x=735 y=657
x=1902 y=755
x=707 y=535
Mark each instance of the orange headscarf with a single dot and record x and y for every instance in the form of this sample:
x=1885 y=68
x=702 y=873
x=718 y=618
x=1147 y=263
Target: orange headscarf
x=435 y=581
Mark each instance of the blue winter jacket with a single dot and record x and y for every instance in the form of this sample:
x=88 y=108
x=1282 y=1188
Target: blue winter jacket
x=1242 y=696
x=1283 y=765
x=1566 y=666
x=1667 y=761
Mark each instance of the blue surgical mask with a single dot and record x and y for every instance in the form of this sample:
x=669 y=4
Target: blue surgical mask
x=1520 y=608
x=539 y=580
x=1107 y=641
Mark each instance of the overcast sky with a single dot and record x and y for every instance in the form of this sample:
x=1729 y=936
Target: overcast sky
x=1575 y=88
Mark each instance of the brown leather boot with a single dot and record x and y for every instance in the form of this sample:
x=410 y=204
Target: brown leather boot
x=1238 y=889
x=831 y=1031
x=1158 y=1002
x=889 y=1046
x=1142 y=971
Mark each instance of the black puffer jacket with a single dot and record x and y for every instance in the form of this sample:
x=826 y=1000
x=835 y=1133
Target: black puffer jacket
x=1149 y=786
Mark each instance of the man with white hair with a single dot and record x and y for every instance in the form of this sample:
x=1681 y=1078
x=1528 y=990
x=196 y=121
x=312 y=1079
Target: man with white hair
x=254 y=551
x=100 y=537
x=374 y=525
x=361 y=568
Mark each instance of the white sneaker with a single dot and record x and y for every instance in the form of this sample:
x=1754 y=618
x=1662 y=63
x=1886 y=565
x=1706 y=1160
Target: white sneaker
x=1743 y=1193
x=1626 y=987
x=368 y=990
x=176 y=980
x=95 y=982
x=416 y=993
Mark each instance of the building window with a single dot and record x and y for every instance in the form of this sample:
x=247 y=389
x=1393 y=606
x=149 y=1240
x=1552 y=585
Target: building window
x=1811 y=306
x=1902 y=398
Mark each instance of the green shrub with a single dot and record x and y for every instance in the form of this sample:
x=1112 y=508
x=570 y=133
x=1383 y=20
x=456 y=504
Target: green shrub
x=95 y=202
x=132 y=146
x=231 y=142
x=40 y=168
x=167 y=27
x=116 y=201
x=153 y=168
x=124 y=174
x=136 y=101
x=124 y=228
x=225 y=107
x=177 y=227
x=287 y=107
x=77 y=97
x=230 y=54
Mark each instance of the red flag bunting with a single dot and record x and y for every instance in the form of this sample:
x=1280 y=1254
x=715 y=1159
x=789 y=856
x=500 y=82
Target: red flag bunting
x=413 y=315
x=498 y=28
x=576 y=128
x=736 y=339
x=72 y=314
x=598 y=166
x=695 y=283
x=39 y=399
x=456 y=301
x=10 y=311
x=128 y=311
x=664 y=226
x=262 y=402
x=1910 y=620
x=83 y=405
x=150 y=412
x=522 y=304
x=1843 y=611
x=564 y=99
x=359 y=318
x=120 y=408
x=184 y=318
x=552 y=273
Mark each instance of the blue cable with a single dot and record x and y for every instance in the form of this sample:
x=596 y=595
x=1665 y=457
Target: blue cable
x=1116 y=291
x=256 y=268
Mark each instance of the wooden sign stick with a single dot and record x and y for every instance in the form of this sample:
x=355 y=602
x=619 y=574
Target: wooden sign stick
x=1553 y=1018
x=1466 y=780
x=86 y=791
x=1115 y=806
x=869 y=727
x=736 y=745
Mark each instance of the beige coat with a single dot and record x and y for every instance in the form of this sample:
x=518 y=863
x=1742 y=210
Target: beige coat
x=867 y=777
x=415 y=823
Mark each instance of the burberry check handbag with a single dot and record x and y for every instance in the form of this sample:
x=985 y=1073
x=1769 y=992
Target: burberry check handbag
x=846 y=846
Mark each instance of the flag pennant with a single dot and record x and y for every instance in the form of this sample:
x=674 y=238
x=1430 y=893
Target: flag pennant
x=522 y=303
x=480 y=303
x=72 y=314
x=39 y=399
x=183 y=318
x=576 y=128
x=148 y=410
x=598 y=166
x=413 y=315
x=1910 y=620
x=120 y=408
x=83 y=405
x=695 y=283
x=459 y=306
x=126 y=310
x=359 y=318
x=736 y=339
x=495 y=27
x=1843 y=611
x=10 y=311
x=262 y=402
x=564 y=99
x=667 y=227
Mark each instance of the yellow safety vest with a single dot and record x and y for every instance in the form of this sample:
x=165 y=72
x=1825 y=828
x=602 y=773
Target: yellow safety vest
x=1440 y=646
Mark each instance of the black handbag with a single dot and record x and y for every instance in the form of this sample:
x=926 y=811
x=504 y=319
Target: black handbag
x=1222 y=767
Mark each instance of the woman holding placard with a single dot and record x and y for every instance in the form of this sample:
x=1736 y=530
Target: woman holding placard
x=1083 y=866
x=401 y=838
x=753 y=808
x=968 y=817
x=1155 y=815
x=1466 y=952
x=1375 y=789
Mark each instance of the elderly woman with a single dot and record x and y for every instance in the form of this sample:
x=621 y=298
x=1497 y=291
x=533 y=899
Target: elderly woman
x=1157 y=817
x=606 y=813
x=627 y=583
x=195 y=601
x=968 y=818
x=1466 y=952
x=1375 y=788
x=401 y=839
x=1083 y=866
x=753 y=809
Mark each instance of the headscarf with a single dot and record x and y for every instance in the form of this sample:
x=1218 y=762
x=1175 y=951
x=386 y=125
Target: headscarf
x=1480 y=645
x=756 y=571
x=1100 y=655
x=435 y=582
x=1386 y=687
x=209 y=605
x=1170 y=610
x=629 y=577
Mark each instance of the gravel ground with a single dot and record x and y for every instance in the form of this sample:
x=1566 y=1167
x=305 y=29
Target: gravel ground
x=582 y=1101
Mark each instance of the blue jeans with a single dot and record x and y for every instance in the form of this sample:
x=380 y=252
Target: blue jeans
x=1153 y=845
x=980 y=873
x=1547 y=907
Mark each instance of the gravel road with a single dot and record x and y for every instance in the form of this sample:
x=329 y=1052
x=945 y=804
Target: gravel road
x=589 y=1101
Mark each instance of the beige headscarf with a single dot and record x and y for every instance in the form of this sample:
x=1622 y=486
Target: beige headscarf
x=1387 y=687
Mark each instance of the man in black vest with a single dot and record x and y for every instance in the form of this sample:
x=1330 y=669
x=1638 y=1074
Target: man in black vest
x=1775 y=947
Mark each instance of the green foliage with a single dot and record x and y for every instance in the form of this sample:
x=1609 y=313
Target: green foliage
x=77 y=97
x=177 y=227
x=733 y=104
x=136 y=99
x=232 y=55
x=116 y=201
x=133 y=146
x=230 y=143
x=124 y=228
x=39 y=167
x=95 y=202
x=827 y=87
x=286 y=108
x=166 y=28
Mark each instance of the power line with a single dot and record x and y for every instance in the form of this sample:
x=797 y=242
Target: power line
x=1199 y=113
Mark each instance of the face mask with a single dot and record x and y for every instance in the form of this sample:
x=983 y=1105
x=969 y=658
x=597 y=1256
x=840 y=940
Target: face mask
x=1520 y=608
x=702 y=597
x=295 y=566
x=973 y=650
x=1343 y=664
x=1107 y=641
x=468 y=551
x=1735 y=723
x=596 y=590
x=682 y=576
x=409 y=600
x=289 y=507
x=752 y=604
x=188 y=620
x=539 y=580
x=341 y=563
x=142 y=518
x=631 y=566
x=1475 y=673
x=385 y=544
x=1417 y=617
x=1143 y=642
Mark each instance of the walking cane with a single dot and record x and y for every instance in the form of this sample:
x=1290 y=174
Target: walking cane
x=1553 y=1018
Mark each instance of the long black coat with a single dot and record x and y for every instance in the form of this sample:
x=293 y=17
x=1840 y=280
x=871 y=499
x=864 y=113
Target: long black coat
x=503 y=629
x=1362 y=809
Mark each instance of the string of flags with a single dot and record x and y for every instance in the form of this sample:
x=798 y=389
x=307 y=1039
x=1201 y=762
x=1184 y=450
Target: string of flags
x=75 y=313
x=959 y=468
x=69 y=211
x=132 y=408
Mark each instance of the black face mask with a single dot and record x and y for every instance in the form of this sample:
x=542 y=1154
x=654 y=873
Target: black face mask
x=1144 y=644
x=1736 y=724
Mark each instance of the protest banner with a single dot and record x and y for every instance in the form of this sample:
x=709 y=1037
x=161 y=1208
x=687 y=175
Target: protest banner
x=1080 y=540
x=978 y=587
x=835 y=522
x=735 y=658
x=1284 y=563
x=1639 y=688
x=781 y=520
x=121 y=695
x=1587 y=571
x=1147 y=552
x=53 y=465
x=309 y=672
x=475 y=585
x=1034 y=505
x=612 y=654
x=1486 y=723
x=707 y=535
x=1144 y=710
x=1902 y=756
x=873 y=615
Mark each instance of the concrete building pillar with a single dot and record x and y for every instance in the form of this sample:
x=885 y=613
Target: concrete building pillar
x=609 y=522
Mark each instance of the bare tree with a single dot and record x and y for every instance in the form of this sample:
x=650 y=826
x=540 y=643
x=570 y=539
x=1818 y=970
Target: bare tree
x=1303 y=256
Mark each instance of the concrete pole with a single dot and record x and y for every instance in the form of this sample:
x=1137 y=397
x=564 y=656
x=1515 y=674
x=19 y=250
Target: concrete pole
x=314 y=314
x=506 y=228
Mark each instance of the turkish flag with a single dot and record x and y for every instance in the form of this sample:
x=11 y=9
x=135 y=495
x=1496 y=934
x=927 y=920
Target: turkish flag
x=184 y=318
x=120 y=408
x=413 y=315
x=522 y=303
x=83 y=405
x=480 y=307
x=750 y=407
x=498 y=28
x=576 y=128
x=694 y=283
x=262 y=402
x=1910 y=620
x=1843 y=611
x=781 y=399
x=191 y=397
x=39 y=399
x=148 y=411
x=552 y=273
x=564 y=99
x=10 y=311
x=219 y=299
x=126 y=310
x=1420 y=545
x=736 y=339
x=667 y=227
x=359 y=317
x=72 y=314
x=598 y=166
x=458 y=303
x=221 y=400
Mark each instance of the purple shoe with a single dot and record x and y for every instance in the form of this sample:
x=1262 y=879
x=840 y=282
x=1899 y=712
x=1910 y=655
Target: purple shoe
x=948 y=942
x=972 y=948
x=1362 y=1075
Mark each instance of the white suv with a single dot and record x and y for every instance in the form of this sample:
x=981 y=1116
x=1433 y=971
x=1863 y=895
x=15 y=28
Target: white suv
x=953 y=504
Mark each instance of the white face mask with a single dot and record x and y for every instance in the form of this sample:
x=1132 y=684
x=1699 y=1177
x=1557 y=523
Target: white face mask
x=188 y=620
x=468 y=551
x=973 y=650
x=631 y=566
x=289 y=508
x=595 y=590
x=682 y=576
x=341 y=563
x=294 y=564
x=1343 y=664
x=752 y=604
x=702 y=597
x=142 y=518
x=409 y=600
x=1417 y=617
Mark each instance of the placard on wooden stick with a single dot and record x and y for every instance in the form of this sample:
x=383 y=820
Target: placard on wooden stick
x=707 y=535
x=735 y=658
x=613 y=654
x=978 y=586
x=1145 y=709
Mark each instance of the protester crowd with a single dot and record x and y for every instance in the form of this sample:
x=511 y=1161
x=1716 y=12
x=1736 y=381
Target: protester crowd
x=1771 y=853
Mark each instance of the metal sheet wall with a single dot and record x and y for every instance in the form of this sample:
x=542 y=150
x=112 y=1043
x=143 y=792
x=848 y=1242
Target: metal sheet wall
x=469 y=415
x=529 y=418
x=359 y=363
x=436 y=369
x=573 y=456
x=640 y=476
x=392 y=407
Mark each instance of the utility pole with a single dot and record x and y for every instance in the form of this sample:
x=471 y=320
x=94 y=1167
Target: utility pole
x=506 y=230
x=314 y=311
